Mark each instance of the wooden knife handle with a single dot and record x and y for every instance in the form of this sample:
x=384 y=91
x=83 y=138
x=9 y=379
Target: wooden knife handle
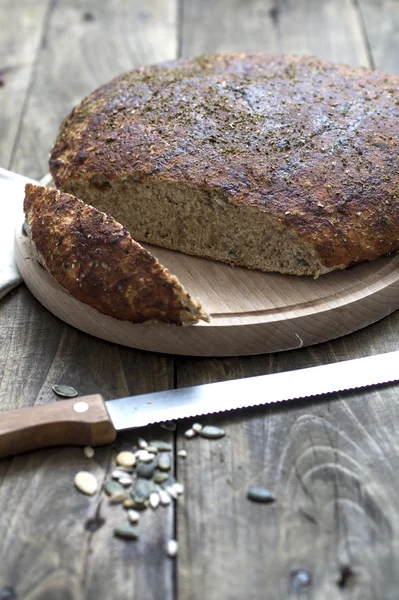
x=81 y=421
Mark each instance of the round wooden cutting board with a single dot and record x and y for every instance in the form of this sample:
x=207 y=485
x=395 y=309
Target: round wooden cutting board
x=251 y=312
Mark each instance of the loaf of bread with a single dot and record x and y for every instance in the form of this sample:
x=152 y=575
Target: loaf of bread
x=271 y=162
x=95 y=259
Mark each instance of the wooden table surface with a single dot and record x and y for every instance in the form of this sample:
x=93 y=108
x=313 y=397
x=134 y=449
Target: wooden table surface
x=333 y=531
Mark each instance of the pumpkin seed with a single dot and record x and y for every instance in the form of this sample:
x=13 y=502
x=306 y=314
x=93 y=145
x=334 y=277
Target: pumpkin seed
x=141 y=490
x=164 y=497
x=88 y=451
x=164 y=462
x=117 y=498
x=259 y=494
x=86 y=483
x=197 y=427
x=142 y=443
x=133 y=515
x=211 y=432
x=169 y=481
x=144 y=456
x=146 y=470
x=172 y=548
x=171 y=491
x=152 y=449
x=113 y=487
x=169 y=426
x=179 y=487
x=190 y=433
x=182 y=453
x=118 y=473
x=161 y=445
x=160 y=477
x=64 y=391
x=154 y=499
x=126 y=459
x=126 y=532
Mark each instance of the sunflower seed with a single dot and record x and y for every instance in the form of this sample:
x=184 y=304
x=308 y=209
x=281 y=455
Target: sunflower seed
x=126 y=459
x=172 y=548
x=146 y=470
x=142 y=443
x=164 y=497
x=182 y=453
x=88 y=451
x=154 y=499
x=126 y=532
x=133 y=515
x=117 y=498
x=126 y=481
x=190 y=433
x=197 y=427
x=259 y=494
x=160 y=477
x=161 y=445
x=144 y=456
x=211 y=432
x=64 y=391
x=86 y=483
x=164 y=462
x=169 y=426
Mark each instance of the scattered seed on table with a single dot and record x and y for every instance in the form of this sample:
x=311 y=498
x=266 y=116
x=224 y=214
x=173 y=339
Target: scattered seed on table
x=133 y=515
x=128 y=503
x=88 y=451
x=169 y=426
x=142 y=443
x=154 y=499
x=190 y=433
x=164 y=497
x=172 y=548
x=197 y=427
x=171 y=480
x=171 y=491
x=64 y=391
x=152 y=449
x=182 y=453
x=259 y=494
x=141 y=490
x=144 y=456
x=118 y=473
x=164 y=462
x=211 y=432
x=161 y=445
x=86 y=483
x=126 y=459
x=125 y=481
x=160 y=476
x=117 y=498
x=146 y=470
x=112 y=487
x=126 y=532
x=179 y=487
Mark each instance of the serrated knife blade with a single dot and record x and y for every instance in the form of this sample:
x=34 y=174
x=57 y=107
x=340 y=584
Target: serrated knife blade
x=88 y=420
x=138 y=411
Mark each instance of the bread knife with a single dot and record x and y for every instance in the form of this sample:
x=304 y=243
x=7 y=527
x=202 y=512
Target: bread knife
x=89 y=420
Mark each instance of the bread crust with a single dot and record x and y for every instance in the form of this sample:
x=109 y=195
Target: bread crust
x=95 y=259
x=311 y=143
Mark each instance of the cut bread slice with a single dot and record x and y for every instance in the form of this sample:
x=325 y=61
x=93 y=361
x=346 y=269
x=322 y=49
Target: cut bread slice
x=94 y=258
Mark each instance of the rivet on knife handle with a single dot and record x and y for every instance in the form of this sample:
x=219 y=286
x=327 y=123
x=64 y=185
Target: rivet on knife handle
x=81 y=421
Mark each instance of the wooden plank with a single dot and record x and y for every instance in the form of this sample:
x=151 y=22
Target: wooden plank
x=381 y=21
x=334 y=516
x=330 y=29
x=20 y=36
x=83 y=48
x=57 y=542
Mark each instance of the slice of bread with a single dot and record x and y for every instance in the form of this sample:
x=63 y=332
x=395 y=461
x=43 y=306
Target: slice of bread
x=95 y=259
x=272 y=162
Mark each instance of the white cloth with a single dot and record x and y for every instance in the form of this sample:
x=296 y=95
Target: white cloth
x=12 y=193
